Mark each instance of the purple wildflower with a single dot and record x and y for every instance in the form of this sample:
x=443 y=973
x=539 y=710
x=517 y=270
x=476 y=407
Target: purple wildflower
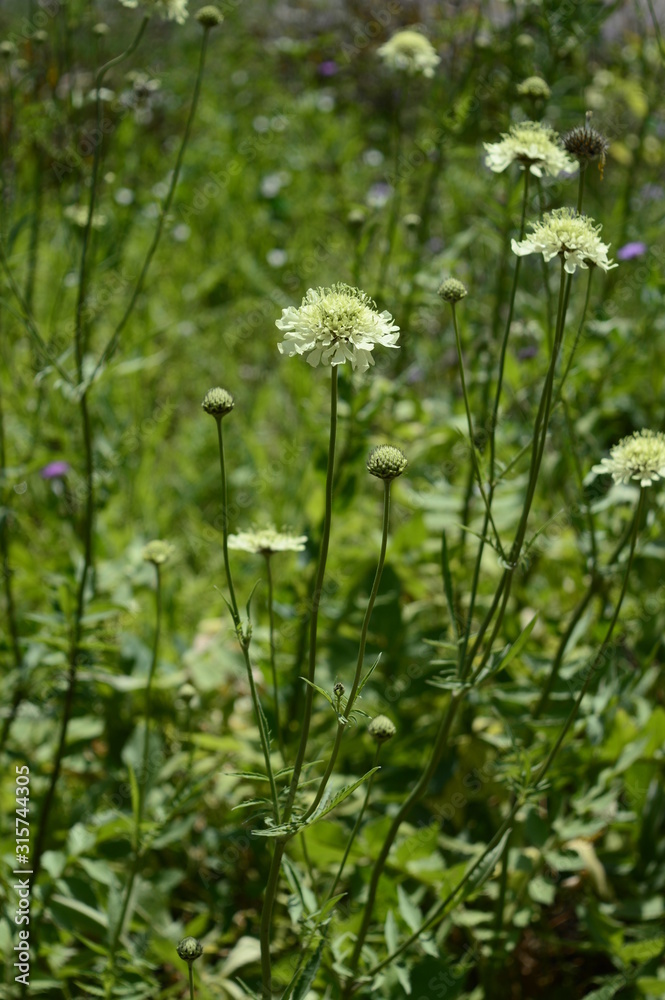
x=631 y=250
x=328 y=68
x=527 y=352
x=55 y=470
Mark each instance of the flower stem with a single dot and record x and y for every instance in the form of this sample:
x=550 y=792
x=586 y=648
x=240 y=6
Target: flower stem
x=273 y=665
x=113 y=341
x=343 y=723
x=82 y=282
x=316 y=600
x=190 y=966
x=440 y=911
x=280 y=844
x=10 y=606
x=242 y=637
x=142 y=781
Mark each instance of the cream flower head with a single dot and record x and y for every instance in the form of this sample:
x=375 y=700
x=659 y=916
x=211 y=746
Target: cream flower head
x=641 y=457
x=170 y=10
x=265 y=541
x=566 y=234
x=410 y=52
x=532 y=145
x=335 y=325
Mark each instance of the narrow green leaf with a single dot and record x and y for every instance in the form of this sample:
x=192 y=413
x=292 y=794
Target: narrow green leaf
x=308 y=974
x=343 y=793
x=486 y=866
x=368 y=675
x=409 y=911
x=320 y=690
x=390 y=932
x=134 y=788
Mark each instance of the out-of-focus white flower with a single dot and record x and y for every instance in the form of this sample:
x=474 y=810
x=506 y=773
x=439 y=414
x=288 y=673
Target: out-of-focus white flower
x=170 y=10
x=534 y=146
x=335 y=325
x=641 y=457
x=410 y=52
x=564 y=233
x=267 y=540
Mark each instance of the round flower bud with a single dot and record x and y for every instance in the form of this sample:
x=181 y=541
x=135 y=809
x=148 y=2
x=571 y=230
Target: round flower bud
x=187 y=691
x=209 y=17
x=412 y=220
x=7 y=49
x=381 y=729
x=158 y=552
x=534 y=86
x=386 y=462
x=217 y=402
x=100 y=29
x=338 y=689
x=585 y=143
x=452 y=290
x=190 y=949
x=40 y=37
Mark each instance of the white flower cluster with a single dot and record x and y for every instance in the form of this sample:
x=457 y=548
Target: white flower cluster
x=532 y=145
x=565 y=233
x=170 y=10
x=640 y=457
x=410 y=52
x=264 y=541
x=335 y=325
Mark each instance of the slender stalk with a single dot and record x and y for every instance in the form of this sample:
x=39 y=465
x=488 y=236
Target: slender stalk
x=440 y=910
x=273 y=665
x=82 y=283
x=397 y=195
x=571 y=355
x=357 y=677
x=316 y=600
x=35 y=226
x=191 y=980
x=9 y=594
x=142 y=779
x=75 y=641
x=280 y=844
x=112 y=343
x=243 y=637
x=354 y=832
x=469 y=420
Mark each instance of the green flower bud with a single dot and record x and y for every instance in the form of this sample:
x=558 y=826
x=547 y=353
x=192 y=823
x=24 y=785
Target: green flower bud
x=386 y=462
x=411 y=220
x=7 y=49
x=190 y=949
x=338 y=689
x=158 y=552
x=100 y=29
x=40 y=37
x=356 y=218
x=452 y=290
x=381 y=729
x=209 y=17
x=217 y=402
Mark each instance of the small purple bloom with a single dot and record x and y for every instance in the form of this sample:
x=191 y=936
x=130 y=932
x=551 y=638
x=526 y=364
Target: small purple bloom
x=527 y=352
x=631 y=250
x=55 y=470
x=328 y=68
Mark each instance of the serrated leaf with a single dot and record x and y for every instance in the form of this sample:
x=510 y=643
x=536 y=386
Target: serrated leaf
x=337 y=799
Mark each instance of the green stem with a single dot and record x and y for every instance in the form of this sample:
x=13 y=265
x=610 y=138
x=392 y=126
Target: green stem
x=82 y=283
x=578 y=335
x=280 y=845
x=242 y=637
x=75 y=647
x=142 y=780
x=469 y=420
x=396 y=198
x=113 y=341
x=342 y=724
x=316 y=600
x=273 y=665
x=439 y=912
x=9 y=596
x=191 y=980
x=354 y=832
